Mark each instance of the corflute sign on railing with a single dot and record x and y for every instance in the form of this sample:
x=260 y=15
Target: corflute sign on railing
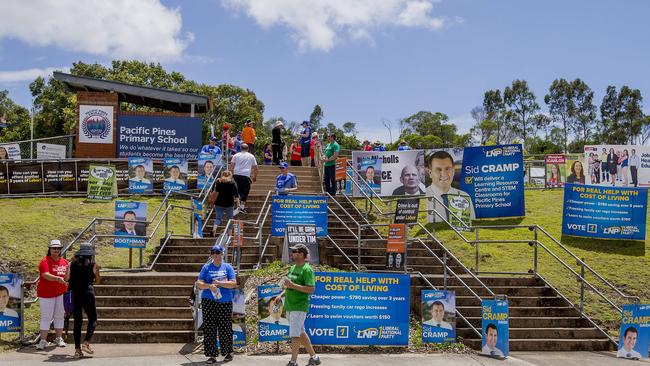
x=10 y=294
x=299 y=210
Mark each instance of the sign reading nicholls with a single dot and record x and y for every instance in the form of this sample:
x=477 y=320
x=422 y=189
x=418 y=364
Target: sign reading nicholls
x=158 y=136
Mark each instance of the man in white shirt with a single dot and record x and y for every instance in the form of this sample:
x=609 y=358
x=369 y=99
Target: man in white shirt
x=440 y=193
x=634 y=163
x=4 y=300
x=139 y=175
x=244 y=170
x=437 y=315
x=629 y=341
x=490 y=348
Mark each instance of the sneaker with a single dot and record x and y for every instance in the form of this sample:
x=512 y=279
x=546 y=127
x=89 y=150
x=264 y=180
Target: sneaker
x=228 y=357
x=41 y=344
x=60 y=342
x=291 y=363
x=211 y=360
x=313 y=361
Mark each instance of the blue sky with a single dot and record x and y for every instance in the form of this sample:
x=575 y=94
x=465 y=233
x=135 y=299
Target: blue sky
x=362 y=60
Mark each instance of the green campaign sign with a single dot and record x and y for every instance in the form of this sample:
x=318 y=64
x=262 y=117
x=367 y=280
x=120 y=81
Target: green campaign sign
x=102 y=185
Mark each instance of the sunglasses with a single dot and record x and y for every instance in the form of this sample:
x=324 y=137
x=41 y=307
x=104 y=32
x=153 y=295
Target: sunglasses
x=55 y=248
x=296 y=251
x=215 y=252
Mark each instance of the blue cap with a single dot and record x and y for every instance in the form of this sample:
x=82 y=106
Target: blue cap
x=217 y=248
x=305 y=123
x=213 y=138
x=284 y=165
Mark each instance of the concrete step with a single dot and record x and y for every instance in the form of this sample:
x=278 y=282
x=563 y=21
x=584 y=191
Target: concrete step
x=140 y=336
x=138 y=301
x=539 y=333
x=202 y=258
x=561 y=311
x=539 y=322
x=499 y=290
x=550 y=344
x=144 y=312
x=143 y=290
x=129 y=324
x=149 y=278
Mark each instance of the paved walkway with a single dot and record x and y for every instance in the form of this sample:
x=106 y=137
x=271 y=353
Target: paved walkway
x=179 y=354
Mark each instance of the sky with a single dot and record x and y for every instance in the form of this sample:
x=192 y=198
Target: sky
x=365 y=61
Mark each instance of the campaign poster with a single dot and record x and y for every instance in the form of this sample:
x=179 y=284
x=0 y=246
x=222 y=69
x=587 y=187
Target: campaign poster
x=575 y=169
x=298 y=210
x=4 y=182
x=158 y=136
x=396 y=247
x=197 y=219
x=445 y=202
x=127 y=228
x=25 y=177
x=359 y=309
x=300 y=234
x=50 y=151
x=10 y=293
x=438 y=316
x=96 y=124
x=140 y=175
x=59 y=177
x=207 y=170
x=604 y=212
x=348 y=182
x=389 y=173
x=635 y=332
x=175 y=173
x=10 y=152
x=102 y=185
x=493 y=177
x=620 y=165
x=496 y=340
x=555 y=170
x=272 y=325
x=238 y=332
x=341 y=168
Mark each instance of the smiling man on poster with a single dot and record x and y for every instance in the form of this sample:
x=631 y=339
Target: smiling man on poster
x=442 y=197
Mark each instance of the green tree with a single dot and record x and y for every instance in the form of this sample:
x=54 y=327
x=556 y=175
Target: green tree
x=584 y=111
x=315 y=117
x=350 y=128
x=621 y=116
x=495 y=111
x=522 y=105
x=561 y=106
x=16 y=117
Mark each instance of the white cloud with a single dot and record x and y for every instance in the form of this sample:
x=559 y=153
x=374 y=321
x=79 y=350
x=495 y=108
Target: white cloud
x=143 y=29
x=321 y=24
x=29 y=74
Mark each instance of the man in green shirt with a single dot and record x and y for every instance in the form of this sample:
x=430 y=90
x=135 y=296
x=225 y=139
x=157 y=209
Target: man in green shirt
x=300 y=283
x=329 y=161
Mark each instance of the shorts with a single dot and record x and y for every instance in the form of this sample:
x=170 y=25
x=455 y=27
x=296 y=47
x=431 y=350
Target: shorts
x=304 y=150
x=296 y=323
x=243 y=186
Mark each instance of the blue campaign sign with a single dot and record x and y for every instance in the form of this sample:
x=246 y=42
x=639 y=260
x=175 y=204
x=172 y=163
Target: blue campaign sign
x=438 y=316
x=299 y=210
x=635 y=331
x=175 y=173
x=496 y=340
x=359 y=309
x=604 y=212
x=129 y=212
x=273 y=325
x=493 y=176
x=10 y=293
x=158 y=136
x=140 y=175
x=207 y=169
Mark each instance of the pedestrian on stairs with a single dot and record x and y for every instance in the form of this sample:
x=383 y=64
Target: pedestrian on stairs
x=216 y=279
x=50 y=289
x=227 y=197
x=285 y=182
x=244 y=170
x=329 y=161
x=82 y=274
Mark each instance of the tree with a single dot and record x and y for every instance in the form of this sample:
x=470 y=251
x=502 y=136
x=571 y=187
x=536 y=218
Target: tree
x=495 y=111
x=541 y=122
x=350 y=128
x=522 y=105
x=583 y=114
x=483 y=128
x=315 y=117
x=630 y=101
x=16 y=117
x=561 y=106
x=609 y=114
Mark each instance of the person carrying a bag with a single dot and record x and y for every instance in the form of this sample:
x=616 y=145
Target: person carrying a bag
x=224 y=197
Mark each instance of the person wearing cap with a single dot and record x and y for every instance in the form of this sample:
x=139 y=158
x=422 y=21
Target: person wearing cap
x=276 y=142
x=82 y=275
x=285 y=182
x=210 y=150
x=305 y=143
x=403 y=146
x=299 y=284
x=248 y=136
x=378 y=146
x=50 y=289
x=329 y=162
x=314 y=152
x=217 y=279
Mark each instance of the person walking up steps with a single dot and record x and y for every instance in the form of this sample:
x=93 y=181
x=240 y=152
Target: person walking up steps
x=244 y=170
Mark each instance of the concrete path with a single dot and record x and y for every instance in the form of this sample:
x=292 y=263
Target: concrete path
x=185 y=355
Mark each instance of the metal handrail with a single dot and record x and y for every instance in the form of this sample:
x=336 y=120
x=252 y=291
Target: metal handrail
x=360 y=215
x=356 y=268
x=343 y=222
x=259 y=262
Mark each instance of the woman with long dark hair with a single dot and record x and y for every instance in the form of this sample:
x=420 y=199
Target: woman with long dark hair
x=577 y=175
x=83 y=273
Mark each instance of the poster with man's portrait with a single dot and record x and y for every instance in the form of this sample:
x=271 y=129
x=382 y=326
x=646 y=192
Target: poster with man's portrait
x=127 y=229
x=175 y=173
x=140 y=175
x=401 y=173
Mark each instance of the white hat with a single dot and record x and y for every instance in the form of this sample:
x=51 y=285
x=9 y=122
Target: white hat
x=279 y=123
x=55 y=244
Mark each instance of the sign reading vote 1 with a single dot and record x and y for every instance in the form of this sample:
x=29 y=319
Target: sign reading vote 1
x=361 y=309
x=158 y=136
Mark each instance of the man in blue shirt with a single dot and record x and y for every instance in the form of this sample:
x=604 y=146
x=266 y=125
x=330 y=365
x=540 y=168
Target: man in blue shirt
x=305 y=143
x=285 y=182
x=211 y=149
x=378 y=147
x=403 y=146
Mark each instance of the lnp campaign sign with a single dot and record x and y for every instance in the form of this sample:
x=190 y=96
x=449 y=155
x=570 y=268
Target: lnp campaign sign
x=604 y=212
x=102 y=184
x=496 y=340
x=273 y=325
x=207 y=170
x=438 y=316
x=493 y=176
x=299 y=210
x=635 y=331
x=158 y=136
x=126 y=228
x=390 y=173
x=197 y=218
x=359 y=309
x=10 y=293
x=140 y=175
x=175 y=172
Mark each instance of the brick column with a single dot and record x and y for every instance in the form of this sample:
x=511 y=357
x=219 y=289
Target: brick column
x=86 y=150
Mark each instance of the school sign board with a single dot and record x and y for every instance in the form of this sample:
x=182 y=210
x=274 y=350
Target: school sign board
x=158 y=136
x=604 y=212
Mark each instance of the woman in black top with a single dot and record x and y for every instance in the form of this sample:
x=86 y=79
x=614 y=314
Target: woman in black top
x=276 y=142
x=227 y=197
x=82 y=274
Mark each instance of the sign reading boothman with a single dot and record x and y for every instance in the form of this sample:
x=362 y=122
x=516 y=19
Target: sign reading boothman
x=158 y=136
x=493 y=176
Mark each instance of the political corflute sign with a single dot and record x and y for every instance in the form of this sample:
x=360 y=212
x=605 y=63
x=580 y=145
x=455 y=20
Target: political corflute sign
x=635 y=331
x=438 y=316
x=604 y=212
x=273 y=324
x=299 y=210
x=496 y=340
x=10 y=293
x=359 y=309
x=493 y=176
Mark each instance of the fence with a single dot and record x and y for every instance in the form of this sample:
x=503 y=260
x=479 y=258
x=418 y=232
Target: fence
x=28 y=147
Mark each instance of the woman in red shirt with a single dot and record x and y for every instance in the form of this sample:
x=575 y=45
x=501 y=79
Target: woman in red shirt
x=50 y=290
x=295 y=153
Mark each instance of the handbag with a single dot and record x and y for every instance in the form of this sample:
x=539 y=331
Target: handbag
x=68 y=302
x=212 y=198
